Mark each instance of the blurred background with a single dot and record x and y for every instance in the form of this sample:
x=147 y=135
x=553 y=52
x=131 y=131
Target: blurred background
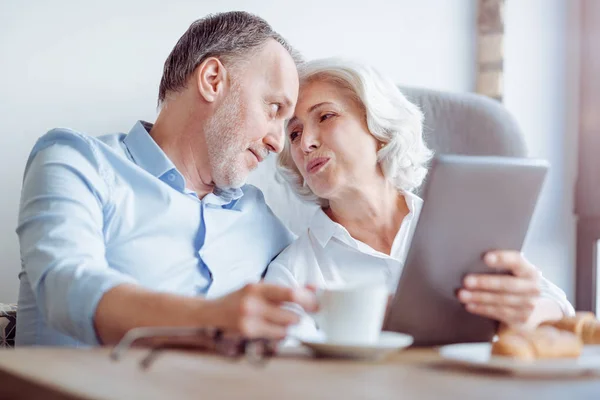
x=95 y=67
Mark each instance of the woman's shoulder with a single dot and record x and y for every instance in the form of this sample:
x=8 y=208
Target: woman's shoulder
x=297 y=250
x=297 y=264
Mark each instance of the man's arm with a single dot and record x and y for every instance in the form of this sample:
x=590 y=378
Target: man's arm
x=63 y=252
x=253 y=311
x=127 y=306
x=61 y=235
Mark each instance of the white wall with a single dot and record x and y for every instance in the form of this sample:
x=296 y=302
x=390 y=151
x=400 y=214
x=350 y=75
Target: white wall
x=541 y=90
x=95 y=66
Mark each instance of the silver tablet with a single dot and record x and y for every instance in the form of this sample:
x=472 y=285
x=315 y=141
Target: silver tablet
x=471 y=205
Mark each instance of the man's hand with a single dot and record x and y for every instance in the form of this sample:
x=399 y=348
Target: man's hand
x=255 y=310
x=510 y=299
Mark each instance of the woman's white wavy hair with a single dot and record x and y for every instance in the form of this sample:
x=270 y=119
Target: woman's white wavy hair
x=391 y=119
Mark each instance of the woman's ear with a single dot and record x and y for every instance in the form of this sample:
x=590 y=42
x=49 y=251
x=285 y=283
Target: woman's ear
x=211 y=77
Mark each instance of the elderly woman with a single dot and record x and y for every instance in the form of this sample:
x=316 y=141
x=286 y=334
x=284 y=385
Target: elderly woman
x=355 y=146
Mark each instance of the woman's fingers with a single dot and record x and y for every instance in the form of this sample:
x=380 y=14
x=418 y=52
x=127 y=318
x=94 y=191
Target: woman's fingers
x=508 y=315
x=498 y=299
x=512 y=261
x=502 y=283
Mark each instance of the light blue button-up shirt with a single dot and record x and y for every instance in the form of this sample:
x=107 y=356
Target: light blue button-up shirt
x=99 y=212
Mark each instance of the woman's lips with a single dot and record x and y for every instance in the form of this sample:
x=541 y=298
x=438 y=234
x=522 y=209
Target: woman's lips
x=316 y=164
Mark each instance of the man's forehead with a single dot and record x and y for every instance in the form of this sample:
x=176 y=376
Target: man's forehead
x=272 y=73
x=284 y=81
x=275 y=63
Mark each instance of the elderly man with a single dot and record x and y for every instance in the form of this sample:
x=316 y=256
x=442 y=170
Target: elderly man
x=156 y=227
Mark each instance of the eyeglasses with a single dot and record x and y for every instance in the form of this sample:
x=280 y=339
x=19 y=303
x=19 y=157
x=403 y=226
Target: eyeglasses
x=256 y=351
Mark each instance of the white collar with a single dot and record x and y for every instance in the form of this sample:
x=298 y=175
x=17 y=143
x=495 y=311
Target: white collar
x=324 y=229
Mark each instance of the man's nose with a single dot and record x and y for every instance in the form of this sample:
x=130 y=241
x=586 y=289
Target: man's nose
x=275 y=139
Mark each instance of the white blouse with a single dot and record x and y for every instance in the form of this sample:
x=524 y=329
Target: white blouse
x=326 y=255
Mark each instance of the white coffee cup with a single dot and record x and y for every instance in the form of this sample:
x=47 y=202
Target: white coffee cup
x=352 y=314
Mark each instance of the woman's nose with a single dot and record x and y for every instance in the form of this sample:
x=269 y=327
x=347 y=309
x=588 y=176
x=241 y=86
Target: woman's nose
x=309 y=141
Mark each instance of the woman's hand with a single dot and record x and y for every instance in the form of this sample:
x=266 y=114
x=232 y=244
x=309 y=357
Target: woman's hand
x=510 y=299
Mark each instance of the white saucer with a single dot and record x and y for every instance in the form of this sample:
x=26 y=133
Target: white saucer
x=478 y=355
x=388 y=343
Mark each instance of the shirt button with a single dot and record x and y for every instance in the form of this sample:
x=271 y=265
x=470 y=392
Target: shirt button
x=171 y=177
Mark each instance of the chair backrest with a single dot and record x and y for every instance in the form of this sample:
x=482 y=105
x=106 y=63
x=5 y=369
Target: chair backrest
x=467 y=123
x=455 y=123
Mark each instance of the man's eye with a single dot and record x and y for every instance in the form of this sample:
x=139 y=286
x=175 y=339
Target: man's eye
x=275 y=107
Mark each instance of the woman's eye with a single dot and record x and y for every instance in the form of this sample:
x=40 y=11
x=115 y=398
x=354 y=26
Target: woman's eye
x=294 y=135
x=325 y=117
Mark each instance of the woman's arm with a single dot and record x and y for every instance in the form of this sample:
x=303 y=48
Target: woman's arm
x=278 y=274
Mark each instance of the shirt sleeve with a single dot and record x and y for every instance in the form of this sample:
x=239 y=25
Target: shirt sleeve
x=60 y=231
x=278 y=274
x=551 y=291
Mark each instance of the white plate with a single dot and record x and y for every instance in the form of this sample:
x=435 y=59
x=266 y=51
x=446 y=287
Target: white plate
x=479 y=355
x=388 y=343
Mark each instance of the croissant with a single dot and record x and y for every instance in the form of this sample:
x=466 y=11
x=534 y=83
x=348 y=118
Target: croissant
x=513 y=345
x=573 y=324
x=542 y=343
x=583 y=324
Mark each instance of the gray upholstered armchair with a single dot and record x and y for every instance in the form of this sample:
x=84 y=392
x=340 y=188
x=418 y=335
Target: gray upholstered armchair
x=466 y=123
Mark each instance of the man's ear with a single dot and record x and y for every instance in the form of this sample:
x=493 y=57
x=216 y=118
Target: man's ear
x=211 y=77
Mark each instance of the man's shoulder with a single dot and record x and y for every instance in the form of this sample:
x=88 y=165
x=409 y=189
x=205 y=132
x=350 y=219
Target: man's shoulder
x=61 y=145
x=75 y=151
x=253 y=201
x=253 y=197
x=64 y=136
x=71 y=140
x=252 y=192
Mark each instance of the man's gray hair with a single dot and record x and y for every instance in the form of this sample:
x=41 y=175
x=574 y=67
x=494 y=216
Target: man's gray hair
x=391 y=118
x=232 y=37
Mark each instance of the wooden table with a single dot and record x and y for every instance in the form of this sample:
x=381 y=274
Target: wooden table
x=52 y=373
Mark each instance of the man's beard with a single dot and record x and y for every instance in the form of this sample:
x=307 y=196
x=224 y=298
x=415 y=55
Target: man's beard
x=224 y=144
